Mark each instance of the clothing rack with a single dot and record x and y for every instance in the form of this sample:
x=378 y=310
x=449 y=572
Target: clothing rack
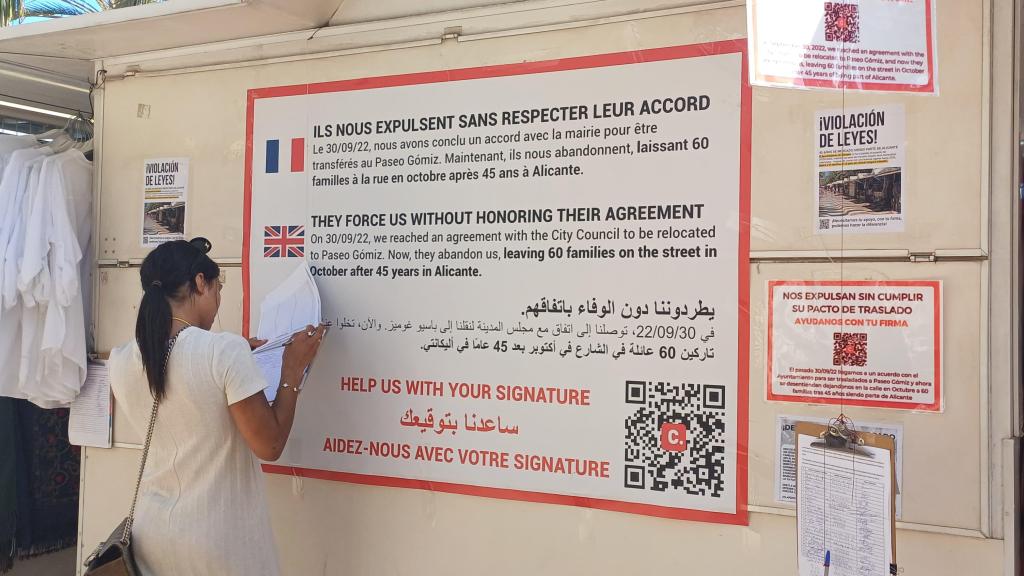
x=40 y=103
x=47 y=186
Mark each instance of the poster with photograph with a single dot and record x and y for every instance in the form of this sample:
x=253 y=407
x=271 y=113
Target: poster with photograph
x=858 y=170
x=165 y=196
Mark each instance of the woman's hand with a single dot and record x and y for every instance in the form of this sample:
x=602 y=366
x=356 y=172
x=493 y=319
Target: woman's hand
x=255 y=343
x=302 y=349
x=264 y=427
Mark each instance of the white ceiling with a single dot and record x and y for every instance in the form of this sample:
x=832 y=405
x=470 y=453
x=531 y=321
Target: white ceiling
x=51 y=62
x=163 y=25
x=353 y=11
x=36 y=57
x=180 y=23
x=47 y=83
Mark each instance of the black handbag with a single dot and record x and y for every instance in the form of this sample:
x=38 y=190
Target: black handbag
x=115 y=557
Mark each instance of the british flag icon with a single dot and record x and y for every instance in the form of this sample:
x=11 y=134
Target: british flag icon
x=284 y=241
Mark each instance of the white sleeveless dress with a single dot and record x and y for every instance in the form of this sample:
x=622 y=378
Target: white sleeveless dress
x=202 y=508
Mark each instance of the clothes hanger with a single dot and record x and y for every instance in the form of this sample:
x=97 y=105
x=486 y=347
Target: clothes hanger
x=88 y=146
x=61 y=143
x=59 y=138
x=49 y=134
x=83 y=127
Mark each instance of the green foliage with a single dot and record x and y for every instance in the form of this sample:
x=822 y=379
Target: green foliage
x=12 y=11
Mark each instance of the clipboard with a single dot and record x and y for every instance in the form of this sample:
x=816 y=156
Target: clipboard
x=91 y=418
x=838 y=435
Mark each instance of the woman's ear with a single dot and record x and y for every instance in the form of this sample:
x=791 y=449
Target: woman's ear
x=201 y=284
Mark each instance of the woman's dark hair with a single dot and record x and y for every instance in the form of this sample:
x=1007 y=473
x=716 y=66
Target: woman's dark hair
x=168 y=273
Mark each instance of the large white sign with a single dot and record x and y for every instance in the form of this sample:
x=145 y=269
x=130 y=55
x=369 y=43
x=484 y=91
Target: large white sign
x=537 y=275
x=880 y=45
x=856 y=342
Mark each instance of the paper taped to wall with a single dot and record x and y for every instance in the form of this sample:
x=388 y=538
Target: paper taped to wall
x=90 y=420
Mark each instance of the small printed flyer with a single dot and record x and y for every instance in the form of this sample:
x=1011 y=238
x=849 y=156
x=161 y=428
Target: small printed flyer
x=785 y=455
x=868 y=45
x=165 y=196
x=856 y=342
x=858 y=170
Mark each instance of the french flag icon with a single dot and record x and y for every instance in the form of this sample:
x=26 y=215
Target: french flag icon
x=298 y=155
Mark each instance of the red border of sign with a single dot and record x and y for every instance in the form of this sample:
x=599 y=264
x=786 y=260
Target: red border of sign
x=876 y=86
x=935 y=285
x=743 y=328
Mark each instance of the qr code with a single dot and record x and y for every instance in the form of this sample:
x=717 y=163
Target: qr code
x=824 y=224
x=692 y=418
x=849 y=349
x=842 y=22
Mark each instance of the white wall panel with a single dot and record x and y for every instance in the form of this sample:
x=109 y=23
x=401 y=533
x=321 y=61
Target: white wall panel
x=334 y=528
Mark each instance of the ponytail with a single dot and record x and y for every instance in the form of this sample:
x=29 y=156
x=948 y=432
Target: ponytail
x=154 y=320
x=168 y=273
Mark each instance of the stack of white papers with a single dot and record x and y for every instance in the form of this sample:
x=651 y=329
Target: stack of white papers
x=289 y=308
x=91 y=415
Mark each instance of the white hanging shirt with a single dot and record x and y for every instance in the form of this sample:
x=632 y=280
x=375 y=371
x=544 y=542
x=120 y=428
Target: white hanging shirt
x=13 y=186
x=16 y=229
x=74 y=175
x=53 y=350
x=29 y=304
x=9 y=144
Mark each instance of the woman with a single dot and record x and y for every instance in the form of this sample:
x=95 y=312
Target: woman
x=201 y=507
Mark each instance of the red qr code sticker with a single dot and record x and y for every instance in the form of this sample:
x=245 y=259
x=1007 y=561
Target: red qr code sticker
x=849 y=349
x=842 y=22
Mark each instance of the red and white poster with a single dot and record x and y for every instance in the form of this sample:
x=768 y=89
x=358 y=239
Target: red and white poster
x=857 y=343
x=875 y=45
x=537 y=274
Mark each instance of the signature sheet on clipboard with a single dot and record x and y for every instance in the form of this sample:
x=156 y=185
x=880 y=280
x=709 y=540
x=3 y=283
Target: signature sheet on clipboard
x=845 y=507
